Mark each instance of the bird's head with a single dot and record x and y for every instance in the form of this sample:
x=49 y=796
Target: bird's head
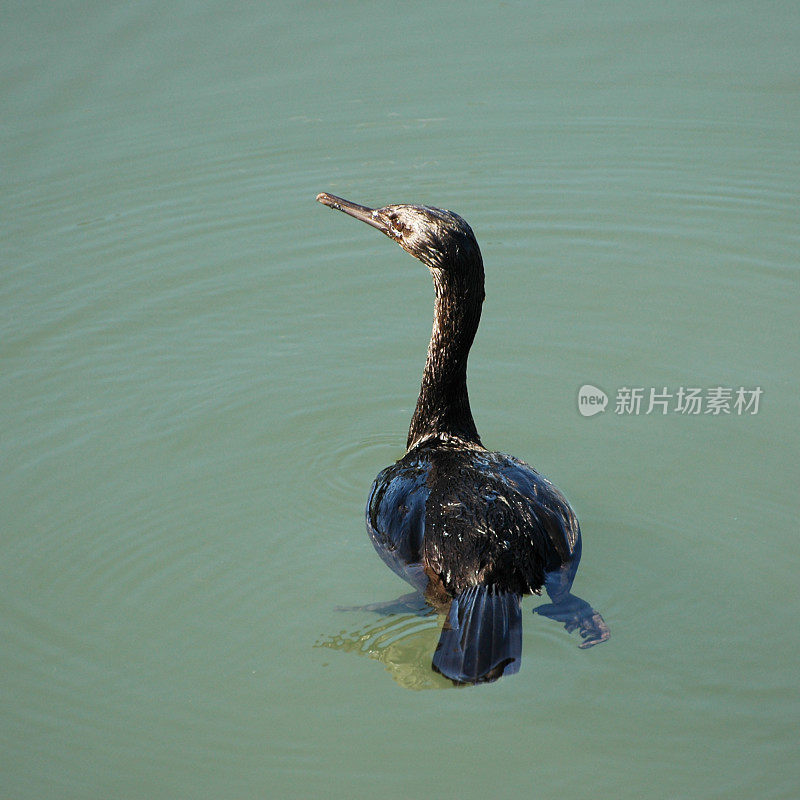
x=440 y=239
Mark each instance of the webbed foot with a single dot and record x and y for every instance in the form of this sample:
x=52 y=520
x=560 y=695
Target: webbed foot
x=577 y=615
x=413 y=603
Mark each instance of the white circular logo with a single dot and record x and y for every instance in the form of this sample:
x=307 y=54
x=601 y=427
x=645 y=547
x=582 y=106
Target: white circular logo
x=591 y=400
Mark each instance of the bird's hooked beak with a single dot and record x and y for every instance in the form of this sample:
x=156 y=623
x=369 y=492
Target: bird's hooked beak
x=371 y=216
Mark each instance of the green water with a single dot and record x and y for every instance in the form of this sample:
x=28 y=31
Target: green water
x=203 y=370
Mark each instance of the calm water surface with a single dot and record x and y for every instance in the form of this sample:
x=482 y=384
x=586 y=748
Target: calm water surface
x=202 y=371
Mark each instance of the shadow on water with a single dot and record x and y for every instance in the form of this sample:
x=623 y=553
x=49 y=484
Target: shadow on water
x=402 y=642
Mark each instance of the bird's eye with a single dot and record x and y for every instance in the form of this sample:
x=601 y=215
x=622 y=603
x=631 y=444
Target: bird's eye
x=398 y=227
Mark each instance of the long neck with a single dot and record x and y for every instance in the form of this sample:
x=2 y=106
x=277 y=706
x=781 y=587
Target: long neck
x=443 y=403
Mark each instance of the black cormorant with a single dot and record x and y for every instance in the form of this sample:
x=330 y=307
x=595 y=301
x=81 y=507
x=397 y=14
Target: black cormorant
x=471 y=529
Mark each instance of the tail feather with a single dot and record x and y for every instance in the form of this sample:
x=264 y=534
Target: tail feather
x=482 y=636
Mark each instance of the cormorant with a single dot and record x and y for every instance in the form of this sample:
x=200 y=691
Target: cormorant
x=471 y=529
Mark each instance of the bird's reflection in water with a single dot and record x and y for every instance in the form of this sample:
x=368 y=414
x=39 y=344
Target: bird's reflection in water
x=402 y=638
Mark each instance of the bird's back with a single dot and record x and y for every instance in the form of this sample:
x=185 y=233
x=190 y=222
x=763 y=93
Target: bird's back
x=462 y=516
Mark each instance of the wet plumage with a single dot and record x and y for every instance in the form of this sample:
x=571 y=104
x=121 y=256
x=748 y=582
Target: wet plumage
x=470 y=516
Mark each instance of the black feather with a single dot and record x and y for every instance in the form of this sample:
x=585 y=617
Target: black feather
x=482 y=636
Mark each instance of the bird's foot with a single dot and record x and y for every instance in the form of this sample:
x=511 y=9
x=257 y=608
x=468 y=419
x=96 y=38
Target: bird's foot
x=413 y=603
x=577 y=615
